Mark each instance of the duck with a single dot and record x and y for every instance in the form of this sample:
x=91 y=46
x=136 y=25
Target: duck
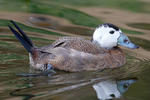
x=76 y=54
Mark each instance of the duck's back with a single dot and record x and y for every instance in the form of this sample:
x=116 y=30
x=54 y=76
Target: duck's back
x=76 y=43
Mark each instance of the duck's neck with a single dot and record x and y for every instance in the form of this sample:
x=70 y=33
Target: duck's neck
x=107 y=48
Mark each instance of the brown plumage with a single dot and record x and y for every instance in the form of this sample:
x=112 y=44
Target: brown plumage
x=77 y=54
x=71 y=54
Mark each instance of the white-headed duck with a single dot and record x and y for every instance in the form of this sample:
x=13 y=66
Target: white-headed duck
x=75 y=54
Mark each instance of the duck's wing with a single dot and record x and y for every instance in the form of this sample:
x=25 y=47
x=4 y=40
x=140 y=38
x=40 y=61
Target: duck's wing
x=76 y=43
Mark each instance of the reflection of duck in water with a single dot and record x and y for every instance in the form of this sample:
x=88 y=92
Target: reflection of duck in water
x=110 y=89
x=78 y=54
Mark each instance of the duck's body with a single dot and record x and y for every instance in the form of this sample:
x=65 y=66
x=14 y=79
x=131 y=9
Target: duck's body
x=77 y=54
x=73 y=53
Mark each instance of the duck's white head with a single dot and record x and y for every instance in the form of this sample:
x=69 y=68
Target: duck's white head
x=109 y=36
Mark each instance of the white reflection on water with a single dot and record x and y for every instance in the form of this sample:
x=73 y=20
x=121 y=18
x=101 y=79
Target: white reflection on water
x=110 y=89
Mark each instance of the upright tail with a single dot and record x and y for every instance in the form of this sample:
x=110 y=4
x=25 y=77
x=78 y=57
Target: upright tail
x=22 y=37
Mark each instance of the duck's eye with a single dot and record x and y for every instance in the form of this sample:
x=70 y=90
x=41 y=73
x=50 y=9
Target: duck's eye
x=111 y=32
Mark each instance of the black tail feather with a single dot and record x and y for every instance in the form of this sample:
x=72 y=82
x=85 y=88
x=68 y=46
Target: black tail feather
x=22 y=33
x=25 y=41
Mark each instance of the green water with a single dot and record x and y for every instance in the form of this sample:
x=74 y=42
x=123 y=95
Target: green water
x=45 y=21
